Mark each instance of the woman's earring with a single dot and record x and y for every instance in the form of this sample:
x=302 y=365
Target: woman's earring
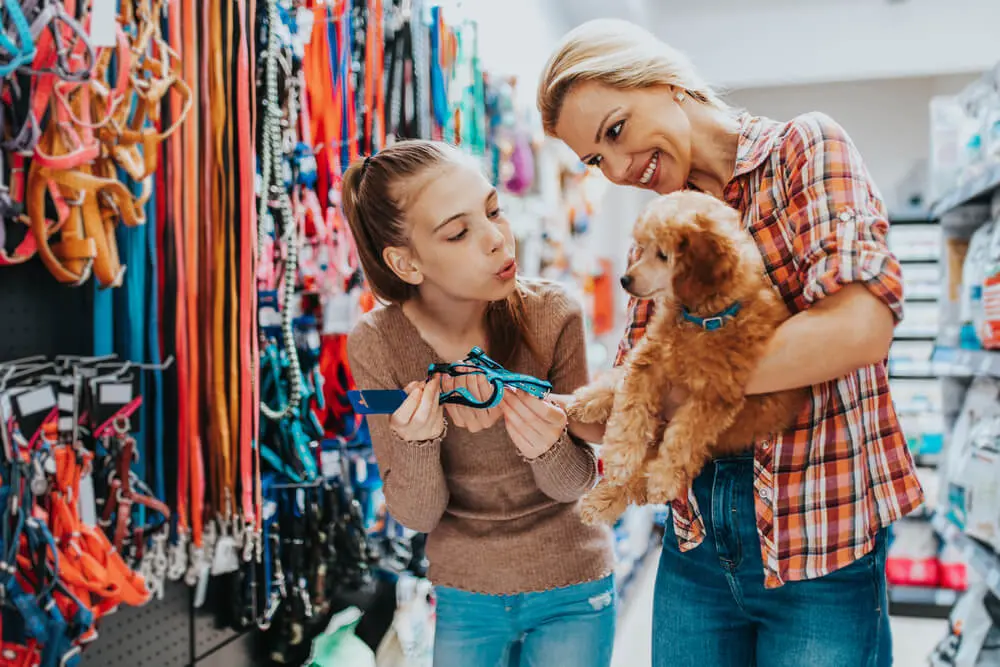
x=680 y=96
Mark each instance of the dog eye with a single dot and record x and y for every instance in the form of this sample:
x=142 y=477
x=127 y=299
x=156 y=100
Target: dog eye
x=662 y=255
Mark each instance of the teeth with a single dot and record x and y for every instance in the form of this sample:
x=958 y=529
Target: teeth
x=648 y=174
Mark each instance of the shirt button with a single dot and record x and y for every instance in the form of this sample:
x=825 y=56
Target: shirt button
x=845 y=216
x=765 y=494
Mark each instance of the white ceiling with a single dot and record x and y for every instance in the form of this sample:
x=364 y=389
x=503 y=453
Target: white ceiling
x=764 y=43
x=569 y=13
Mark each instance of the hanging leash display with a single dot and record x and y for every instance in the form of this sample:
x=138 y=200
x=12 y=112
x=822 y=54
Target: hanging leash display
x=188 y=156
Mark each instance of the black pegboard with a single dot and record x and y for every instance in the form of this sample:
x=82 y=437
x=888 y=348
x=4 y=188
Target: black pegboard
x=211 y=626
x=40 y=316
x=157 y=634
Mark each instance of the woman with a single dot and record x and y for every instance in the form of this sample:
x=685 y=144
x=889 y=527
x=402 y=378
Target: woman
x=519 y=579
x=777 y=558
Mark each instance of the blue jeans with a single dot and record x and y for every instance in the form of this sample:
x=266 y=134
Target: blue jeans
x=711 y=608
x=563 y=626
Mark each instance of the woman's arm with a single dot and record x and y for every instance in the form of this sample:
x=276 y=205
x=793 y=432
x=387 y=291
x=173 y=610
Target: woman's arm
x=416 y=493
x=569 y=468
x=851 y=282
x=838 y=335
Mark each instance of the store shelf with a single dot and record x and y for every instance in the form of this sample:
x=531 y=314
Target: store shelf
x=911 y=216
x=979 y=557
x=921 y=601
x=973 y=188
x=960 y=362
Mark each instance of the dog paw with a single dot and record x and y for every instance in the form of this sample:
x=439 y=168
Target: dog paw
x=666 y=483
x=589 y=409
x=621 y=463
x=603 y=505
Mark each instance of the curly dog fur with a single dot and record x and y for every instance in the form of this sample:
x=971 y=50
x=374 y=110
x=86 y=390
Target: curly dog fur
x=691 y=253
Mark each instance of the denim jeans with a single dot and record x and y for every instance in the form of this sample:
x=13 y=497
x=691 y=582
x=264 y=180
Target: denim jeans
x=711 y=608
x=563 y=626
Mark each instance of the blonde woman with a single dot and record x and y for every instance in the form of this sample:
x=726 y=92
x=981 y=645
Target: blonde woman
x=776 y=558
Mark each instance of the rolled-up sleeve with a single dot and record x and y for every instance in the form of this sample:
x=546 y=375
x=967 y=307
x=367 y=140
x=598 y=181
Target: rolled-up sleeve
x=836 y=216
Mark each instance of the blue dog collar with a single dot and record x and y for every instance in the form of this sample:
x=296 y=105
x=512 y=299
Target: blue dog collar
x=715 y=322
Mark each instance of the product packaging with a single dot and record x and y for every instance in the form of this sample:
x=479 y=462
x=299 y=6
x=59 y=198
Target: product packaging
x=982 y=401
x=968 y=627
x=973 y=269
x=913 y=555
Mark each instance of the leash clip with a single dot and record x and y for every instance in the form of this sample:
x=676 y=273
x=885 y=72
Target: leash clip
x=177 y=563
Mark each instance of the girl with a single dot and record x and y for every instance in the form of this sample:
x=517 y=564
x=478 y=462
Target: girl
x=777 y=558
x=519 y=579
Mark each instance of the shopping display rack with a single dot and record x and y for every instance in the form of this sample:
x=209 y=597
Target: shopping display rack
x=34 y=311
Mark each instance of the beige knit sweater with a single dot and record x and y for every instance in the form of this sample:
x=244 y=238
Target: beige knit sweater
x=497 y=524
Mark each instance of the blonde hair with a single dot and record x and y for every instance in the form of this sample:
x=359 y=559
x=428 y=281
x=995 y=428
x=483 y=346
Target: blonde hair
x=619 y=54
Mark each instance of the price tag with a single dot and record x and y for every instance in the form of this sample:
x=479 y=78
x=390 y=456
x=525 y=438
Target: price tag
x=226 y=557
x=330 y=462
x=88 y=501
x=944 y=597
x=103 y=22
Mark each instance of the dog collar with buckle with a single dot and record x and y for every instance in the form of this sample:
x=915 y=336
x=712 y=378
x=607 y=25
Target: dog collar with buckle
x=714 y=322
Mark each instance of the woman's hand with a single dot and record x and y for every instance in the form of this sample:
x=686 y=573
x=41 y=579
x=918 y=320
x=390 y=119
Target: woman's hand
x=472 y=420
x=421 y=416
x=534 y=425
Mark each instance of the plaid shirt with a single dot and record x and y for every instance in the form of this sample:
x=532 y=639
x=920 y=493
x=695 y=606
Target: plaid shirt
x=824 y=488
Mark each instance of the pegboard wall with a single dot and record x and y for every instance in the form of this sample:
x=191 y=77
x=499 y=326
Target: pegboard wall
x=40 y=316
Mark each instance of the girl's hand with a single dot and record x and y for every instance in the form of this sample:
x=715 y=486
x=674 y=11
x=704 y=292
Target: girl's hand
x=472 y=420
x=534 y=425
x=421 y=416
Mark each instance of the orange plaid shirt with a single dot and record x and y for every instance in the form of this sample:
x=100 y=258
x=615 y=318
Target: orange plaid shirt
x=824 y=488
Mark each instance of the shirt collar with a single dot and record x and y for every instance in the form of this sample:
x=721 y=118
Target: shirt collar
x=757 y=137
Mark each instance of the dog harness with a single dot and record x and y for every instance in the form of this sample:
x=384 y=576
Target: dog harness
x=477 y=363
x=713 y=322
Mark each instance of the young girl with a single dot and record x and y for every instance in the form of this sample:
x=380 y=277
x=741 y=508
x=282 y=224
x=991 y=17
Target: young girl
x=519 y=579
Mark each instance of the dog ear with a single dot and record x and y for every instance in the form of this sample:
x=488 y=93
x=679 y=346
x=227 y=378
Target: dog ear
x=706 y=260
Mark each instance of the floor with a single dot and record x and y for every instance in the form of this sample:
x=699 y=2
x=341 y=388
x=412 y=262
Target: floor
x=913 y=638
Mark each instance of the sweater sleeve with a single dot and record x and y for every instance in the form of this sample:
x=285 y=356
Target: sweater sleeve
x=569 y=469
x=416 y=493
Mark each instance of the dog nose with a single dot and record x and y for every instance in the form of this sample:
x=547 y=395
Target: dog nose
x=626 y=281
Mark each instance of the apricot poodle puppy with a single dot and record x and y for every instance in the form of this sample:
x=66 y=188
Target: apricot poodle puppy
x=713 y=315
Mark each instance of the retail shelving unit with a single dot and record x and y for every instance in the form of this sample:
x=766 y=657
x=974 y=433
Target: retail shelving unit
x=951 y=366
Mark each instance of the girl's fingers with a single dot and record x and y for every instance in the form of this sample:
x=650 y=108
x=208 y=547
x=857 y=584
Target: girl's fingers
x=523 y=424
x=405 y=412
x=428 y=402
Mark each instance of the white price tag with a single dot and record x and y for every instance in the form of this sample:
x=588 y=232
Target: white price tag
x=88 y=502
x=103 y=22
x=330 y=462
x=226 y=558
x=944 y=597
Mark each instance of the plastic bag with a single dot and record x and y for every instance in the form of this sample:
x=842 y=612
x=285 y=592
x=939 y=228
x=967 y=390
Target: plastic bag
x=338 y=646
